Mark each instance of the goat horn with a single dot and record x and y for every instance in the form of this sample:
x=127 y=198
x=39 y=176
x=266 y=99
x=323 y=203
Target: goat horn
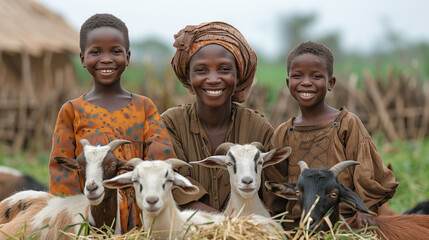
x=84 y=142
x=259 y=146
x=116 y=143
x=303 y=165
x=134 y=162
x=177 y=162
x=223 y=148
x=339 y=167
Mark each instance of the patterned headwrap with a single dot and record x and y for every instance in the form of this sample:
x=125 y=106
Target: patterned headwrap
x=193 y=37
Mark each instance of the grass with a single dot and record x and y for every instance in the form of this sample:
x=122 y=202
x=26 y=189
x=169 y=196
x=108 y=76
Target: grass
x=410 y=164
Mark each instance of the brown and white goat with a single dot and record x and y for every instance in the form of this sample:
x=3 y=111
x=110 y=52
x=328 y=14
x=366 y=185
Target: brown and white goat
x=323 y=182
x=245 y=164
x=98 y=205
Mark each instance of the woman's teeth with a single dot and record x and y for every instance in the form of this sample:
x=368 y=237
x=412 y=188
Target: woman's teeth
x=214 y=92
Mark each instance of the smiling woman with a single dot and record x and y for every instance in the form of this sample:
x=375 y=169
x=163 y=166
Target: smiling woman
x=213 y=61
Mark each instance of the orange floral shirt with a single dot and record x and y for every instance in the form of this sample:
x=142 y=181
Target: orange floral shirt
x=137 y=122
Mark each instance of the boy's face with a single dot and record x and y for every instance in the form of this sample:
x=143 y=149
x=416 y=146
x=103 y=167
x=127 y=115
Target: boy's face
x=308 y=80
x=105 y=55
x=213 y=75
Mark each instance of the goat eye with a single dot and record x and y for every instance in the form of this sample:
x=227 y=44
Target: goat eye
x=260 y=163
x=141 y=187
x=334 y=195
x=297 y=192
x=229 y=164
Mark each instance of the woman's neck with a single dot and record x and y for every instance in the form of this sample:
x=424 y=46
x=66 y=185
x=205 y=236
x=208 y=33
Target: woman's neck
x=214 y=117
x=215 y=123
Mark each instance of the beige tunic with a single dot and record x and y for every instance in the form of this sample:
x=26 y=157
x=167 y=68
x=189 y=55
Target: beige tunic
x=324 y=145
x=191 y=143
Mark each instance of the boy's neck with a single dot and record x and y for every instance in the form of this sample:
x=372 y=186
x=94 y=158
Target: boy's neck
x=115 y=89
x=316 y=115
x=112 y=97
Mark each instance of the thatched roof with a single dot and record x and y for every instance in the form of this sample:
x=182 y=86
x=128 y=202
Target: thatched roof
x=26 y=24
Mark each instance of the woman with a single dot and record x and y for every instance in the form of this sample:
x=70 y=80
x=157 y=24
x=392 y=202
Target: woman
x=215 y=63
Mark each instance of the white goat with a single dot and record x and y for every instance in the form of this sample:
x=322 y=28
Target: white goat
x=36 y=209
x=153 y=182
x=244 y=164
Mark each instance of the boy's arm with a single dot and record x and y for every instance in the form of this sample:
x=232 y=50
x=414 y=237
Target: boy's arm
x=63 y=181
x=372 y=180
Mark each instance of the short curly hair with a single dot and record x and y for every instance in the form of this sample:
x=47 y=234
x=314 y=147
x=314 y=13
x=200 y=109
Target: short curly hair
x=315 y=48
x=102 y=20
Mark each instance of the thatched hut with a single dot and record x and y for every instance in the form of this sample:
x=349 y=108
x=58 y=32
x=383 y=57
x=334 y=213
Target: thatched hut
x=36 y=71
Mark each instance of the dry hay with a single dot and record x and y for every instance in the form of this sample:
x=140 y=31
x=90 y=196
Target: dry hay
x=236 y=228
x=233 y=228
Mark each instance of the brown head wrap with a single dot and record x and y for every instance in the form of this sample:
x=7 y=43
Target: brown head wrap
x=193 y=37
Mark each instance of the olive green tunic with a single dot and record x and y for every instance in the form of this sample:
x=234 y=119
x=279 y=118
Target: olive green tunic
x=324 y=145
x=191 y=143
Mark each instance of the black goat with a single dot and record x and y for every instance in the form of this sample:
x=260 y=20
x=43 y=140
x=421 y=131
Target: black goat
x=320 y=182
x=323 y=183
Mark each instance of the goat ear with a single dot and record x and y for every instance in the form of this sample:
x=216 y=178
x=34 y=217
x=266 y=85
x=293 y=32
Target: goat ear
x=275 y=156
x=217 y=161
x=68 y=163
x=120 y=181
x=283 y=190
x=184 y=184
x=349 y=197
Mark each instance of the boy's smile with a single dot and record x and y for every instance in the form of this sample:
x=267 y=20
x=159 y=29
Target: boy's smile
x=308 y=80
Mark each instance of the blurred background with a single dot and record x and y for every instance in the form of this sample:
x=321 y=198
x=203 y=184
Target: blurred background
x=381 y=53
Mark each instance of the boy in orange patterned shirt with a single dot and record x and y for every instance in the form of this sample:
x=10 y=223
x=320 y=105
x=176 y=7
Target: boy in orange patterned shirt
x=106 y=113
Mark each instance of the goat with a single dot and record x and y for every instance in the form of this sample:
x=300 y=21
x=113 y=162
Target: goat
x=244 y=164
x=153 y=182
x=12 y=180
x=323 y=182
x=97 y=204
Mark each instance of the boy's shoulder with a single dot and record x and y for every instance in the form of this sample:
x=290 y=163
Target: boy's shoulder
x=285 y=125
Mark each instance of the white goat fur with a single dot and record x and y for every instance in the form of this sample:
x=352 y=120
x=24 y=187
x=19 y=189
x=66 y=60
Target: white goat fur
x=36 y=208
x=244 y=164
x=153 y=182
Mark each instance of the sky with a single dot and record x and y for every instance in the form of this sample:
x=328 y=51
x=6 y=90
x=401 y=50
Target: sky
x=362 y=24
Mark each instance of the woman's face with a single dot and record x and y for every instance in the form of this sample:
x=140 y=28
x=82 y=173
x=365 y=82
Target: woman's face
x=213 y=75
